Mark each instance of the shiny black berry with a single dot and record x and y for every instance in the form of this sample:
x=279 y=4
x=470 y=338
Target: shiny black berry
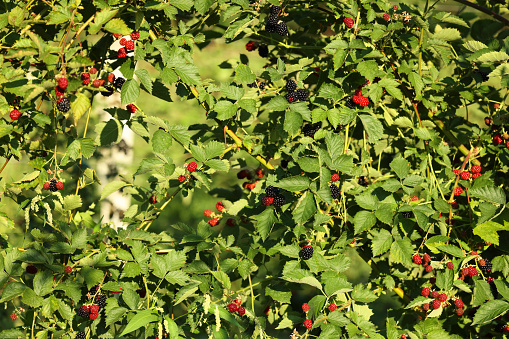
x=82 y=313
x=291 y=97
x=291 y=86
x=272 y=20
x=263 y=50
x=119 y=82
x=81 y=335
x=279 y=200
x=302 y=94
x=271 y=191
x=53 y=185
x=269 y=29
x=93 y=290
x=262 y=85
x=100 y=300
x=334 y=191
x=309 y=130
x=63 y=105
x=350 y=103
x=252 y=85
x=306 y=253
x=275 y=10
x=282 y=29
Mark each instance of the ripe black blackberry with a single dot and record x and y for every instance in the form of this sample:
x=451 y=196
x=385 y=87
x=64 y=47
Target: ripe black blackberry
x=271 y=191
x=275 y=10
x=350 y=103
x=272 y=20
x=291 y=97
x=93 y=290
x=334 y=191
x=486 y=268
x=407 y=214
x=302 y=94
x=291 y=86
x=269 y=29
x=262 y=85
x=251 y=85
x=63 y=105
x=81 y=335
x=82 y=313
x=53 y=185
x=306 y=253
x=263 y=50
x=309 y=130
x=363 y=181
x=279 y=200
x=119 y=82
x=109 y=91
x=100 y=300
x=282 y=29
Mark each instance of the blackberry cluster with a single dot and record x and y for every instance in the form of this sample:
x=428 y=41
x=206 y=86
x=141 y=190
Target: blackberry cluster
x=100 y=299
x=93 y=290
x=279 y=200
x=63 y=105
x=486 y=268
x=363 y=181
x=53 y=185
x=407 y=214
x=83 y=313
x=119 y=82
x=271 y=191
x=273 y=24
x=306 y=253
x=291 y=86
x=291 y=97
x=334 y=191
x=81 y=335
x=261 y=85
x=263 y=51
x=301 y=94
x=252 y=85
x=309 y=130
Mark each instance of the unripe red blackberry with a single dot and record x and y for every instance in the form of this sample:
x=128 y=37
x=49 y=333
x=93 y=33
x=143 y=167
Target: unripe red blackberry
x=93 y=70
x=425 y=307
x=46 y=185
x=332 y=307
x=458 y=191
x=181 y=178
x=68 y=269
x=334 y=177
x=241 y=310
x=131 y=108
x=305 y=307
x=458 y=303
x=436 y=304
x=93 y=316
x=15 y=114
x=465 y=175
x=213 y=222
x=434 y=294
x=60 y=185
x=230 y=222
x=111 y=77
x=386 y=17
x=459 y=311
x=153 y=199
x=417 y=259
x=442 y=297
x=308 y=323
x=251 y=46
x=14 y=317
x=425 y=292
x=429 y=268
x=129 y=45
x=59 y=92
x=395 y=7
x=450 y=265
x=63 y=83
x=85 y=78
x=123 y=41
x=94 y=309
x=192 y=166
x=497 y=139
x=348 y=22
x=267 y=200
x=233 y=307
x=207 y=213
x=122 y=52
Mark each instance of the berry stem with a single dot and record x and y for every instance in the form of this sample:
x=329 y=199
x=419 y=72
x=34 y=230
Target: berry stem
x=252 y=293
x=149 y=222
x=485 y=10
x=5 y=163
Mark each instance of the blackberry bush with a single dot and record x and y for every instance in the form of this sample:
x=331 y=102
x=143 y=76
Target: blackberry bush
x=196 y=172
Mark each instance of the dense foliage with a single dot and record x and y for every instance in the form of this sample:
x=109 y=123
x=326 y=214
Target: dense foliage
x=380 y=131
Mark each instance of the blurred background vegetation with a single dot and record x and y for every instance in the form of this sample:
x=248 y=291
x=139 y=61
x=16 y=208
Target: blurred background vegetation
x=189 y=209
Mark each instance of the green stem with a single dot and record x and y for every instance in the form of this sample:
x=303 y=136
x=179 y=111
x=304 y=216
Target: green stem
x=485 y=10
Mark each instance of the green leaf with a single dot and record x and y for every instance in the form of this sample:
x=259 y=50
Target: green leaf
x=31 y=299
x=493 y=57
x=400 y=166
x=391 y=86
x=214 y=149
x=368 y=69
x=109 y=132
x=72 y=202
x=131 y=298
x=474 y=46
x=223 y=279
x=501 y=264
x=362 y=294
x=244 y=74
x=141 y=319
x=79 y=106
x=237 y=27
x=305 y=208
x=279 y=293
x=488 y=231
x=445 y=279
x=335 y=145
x=489 y=311
x=144 y=78
x=294 y=184
x=115 y=314
x=402 y=251
x=161 y=141
x=343 y=163
x=112 y=187
x=117 y=26
x=382 y=241
x=43 y=283
x=265 y=221
x=12 y=290
x=416 y=81
x=363 y=221
x=278 y=103
x=367 y=200
x=500 y=70
x=372 y=126
x=91 y=275
x=225 y=109
x=188 y=73
x=218 y=165
x=447 y=34
x=293 y=122
x=130 y=92
x=492 y=194
x=16 y=16
x=482 y=293
x=172 y=326
x=452 y=250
